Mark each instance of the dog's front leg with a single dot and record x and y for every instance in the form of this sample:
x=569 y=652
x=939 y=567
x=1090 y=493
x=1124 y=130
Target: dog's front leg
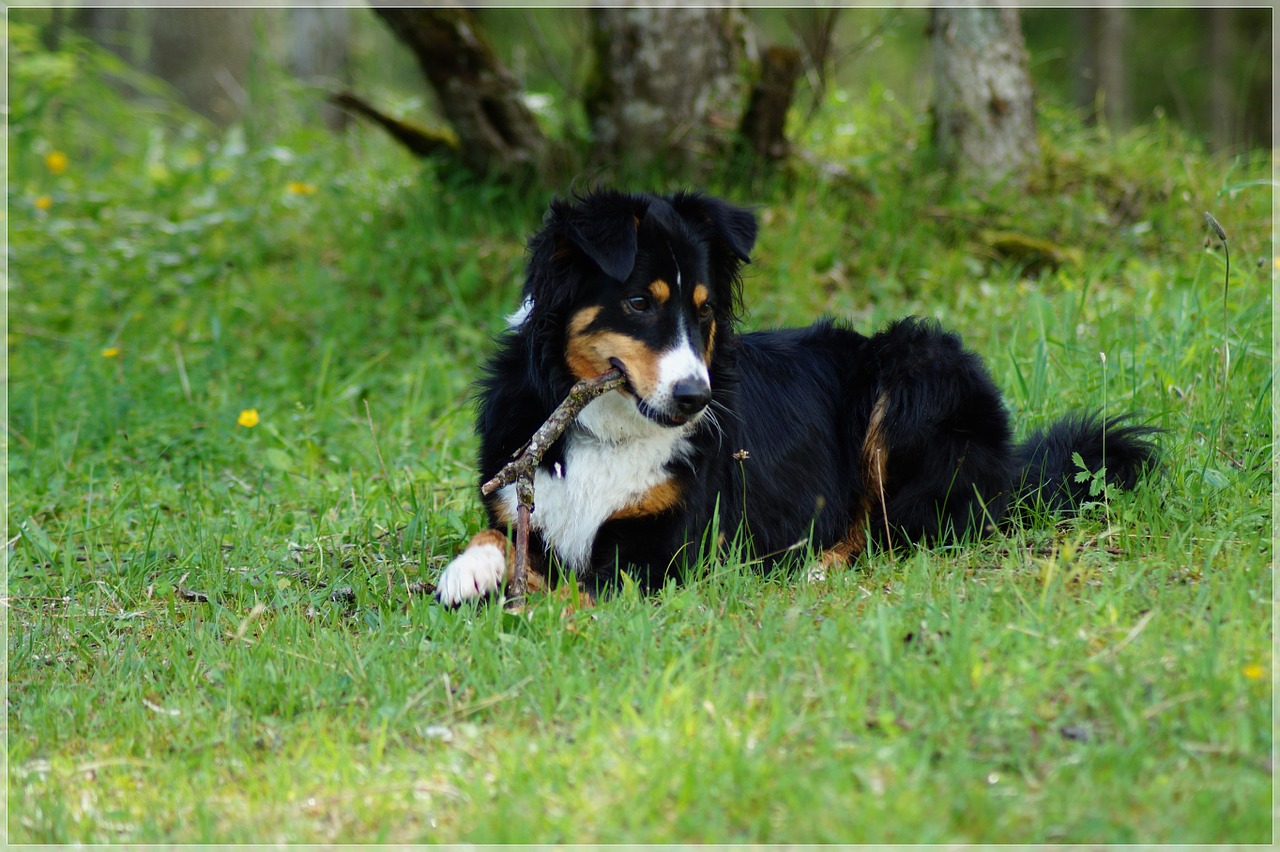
x=484 y=567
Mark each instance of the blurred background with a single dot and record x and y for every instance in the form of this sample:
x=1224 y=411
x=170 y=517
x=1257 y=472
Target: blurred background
x=1207 y=69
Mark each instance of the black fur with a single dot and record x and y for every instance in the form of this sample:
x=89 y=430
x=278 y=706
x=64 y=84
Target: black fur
x=793 y=406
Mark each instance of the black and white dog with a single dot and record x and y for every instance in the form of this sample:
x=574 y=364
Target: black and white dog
x=816 y=436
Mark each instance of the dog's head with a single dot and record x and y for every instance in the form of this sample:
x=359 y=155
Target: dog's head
x=644 y=283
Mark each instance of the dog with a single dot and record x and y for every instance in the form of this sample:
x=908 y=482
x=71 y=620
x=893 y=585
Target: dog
x=818 y=440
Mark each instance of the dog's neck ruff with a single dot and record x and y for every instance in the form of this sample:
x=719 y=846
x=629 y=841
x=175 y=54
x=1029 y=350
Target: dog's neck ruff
x=613 y=456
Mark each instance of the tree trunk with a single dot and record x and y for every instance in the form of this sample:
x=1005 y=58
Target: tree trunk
x=1219 y=51
x=319 y=54
x=479 y=97
x=204 y=54
x=1255 y=109
x=1102 y=74
x=984 y=106
x=764 y=124
x=666 y=86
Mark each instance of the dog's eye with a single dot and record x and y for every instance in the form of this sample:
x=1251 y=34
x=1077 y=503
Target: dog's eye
x=704 y=312
x=639 y=304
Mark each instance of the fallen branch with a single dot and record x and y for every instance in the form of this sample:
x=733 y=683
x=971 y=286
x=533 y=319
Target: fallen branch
x=520 y=470
x=420 y=140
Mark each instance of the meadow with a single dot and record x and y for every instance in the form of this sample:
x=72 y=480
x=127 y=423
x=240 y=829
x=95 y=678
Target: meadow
x=239 y=444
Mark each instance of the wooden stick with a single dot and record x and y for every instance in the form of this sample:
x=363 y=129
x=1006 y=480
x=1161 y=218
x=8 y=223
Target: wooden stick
x=527 y=458
x=524 y=511
x=521 y=469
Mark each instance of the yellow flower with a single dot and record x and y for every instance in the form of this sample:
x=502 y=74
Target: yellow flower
x=43 y=202
x=1253 y=671
x=298 y=187
x=248 y=418
x=111 y=352
x=55 y=162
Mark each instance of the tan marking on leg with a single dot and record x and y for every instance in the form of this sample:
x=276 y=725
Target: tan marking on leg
x=535 y=579
x=660 y=290
x=659 y=498
x=848 y=548
x=498 y=539
x=875 y=460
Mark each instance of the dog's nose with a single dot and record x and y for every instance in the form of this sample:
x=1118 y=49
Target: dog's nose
x=691 y=395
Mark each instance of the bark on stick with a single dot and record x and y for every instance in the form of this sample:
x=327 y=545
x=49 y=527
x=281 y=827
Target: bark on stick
x=520 y=470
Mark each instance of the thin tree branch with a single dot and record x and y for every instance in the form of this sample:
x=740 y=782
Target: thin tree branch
x=530 y=455
x=521 y=469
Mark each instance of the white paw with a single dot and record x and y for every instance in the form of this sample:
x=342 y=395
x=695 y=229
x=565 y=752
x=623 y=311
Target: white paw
x=476 y=572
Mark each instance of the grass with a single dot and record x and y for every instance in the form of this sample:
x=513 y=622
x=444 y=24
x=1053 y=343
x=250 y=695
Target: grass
x=211 y=635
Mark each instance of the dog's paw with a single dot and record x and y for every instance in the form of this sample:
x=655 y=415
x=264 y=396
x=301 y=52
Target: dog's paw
x=476 y=572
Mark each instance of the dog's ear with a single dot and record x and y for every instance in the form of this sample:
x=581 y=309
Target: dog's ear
x=735 y=227
x=603 y=226
x=578 y=236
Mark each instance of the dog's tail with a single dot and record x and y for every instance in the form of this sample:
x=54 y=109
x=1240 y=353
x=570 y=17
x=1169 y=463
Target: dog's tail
x=1060 y=466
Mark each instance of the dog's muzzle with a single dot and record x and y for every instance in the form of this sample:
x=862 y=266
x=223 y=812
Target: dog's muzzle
x=678 y=398
x=689 y=396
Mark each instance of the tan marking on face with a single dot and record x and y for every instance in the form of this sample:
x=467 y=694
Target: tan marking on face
x=660 y=290
x=659 y=498
x=579 y=355
x=700 y=295
x=589 y=353
x=582 y=319
x=639 y=362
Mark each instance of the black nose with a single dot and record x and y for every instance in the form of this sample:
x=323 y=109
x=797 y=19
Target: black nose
x=691 y=395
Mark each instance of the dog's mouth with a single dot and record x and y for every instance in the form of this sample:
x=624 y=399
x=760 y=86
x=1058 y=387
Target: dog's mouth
x=662 y=419
x=650 y=413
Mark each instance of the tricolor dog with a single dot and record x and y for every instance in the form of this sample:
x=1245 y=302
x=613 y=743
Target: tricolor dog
x=819 y=440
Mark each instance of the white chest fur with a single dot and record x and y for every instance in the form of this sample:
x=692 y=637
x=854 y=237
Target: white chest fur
x=613 y=456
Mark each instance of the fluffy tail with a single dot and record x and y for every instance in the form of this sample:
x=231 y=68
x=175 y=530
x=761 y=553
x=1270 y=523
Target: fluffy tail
x=1049 y=468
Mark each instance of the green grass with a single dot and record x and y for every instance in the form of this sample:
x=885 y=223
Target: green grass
x=210 y=631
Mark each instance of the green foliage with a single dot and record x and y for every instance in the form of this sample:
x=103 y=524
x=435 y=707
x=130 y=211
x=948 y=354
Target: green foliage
x=214 y=634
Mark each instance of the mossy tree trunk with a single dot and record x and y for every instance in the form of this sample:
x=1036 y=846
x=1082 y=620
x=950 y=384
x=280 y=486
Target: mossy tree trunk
x=667 y=87
x=984 y=105
x=478 y=95
x=764 y=124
